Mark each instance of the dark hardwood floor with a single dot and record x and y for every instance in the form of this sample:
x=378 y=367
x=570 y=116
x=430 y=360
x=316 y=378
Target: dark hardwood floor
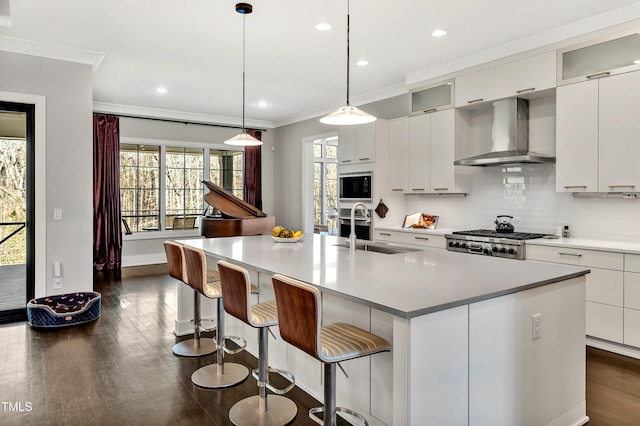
x=119 y=370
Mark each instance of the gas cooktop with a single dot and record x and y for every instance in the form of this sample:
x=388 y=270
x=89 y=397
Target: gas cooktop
x=491 y=243
x=495 y=234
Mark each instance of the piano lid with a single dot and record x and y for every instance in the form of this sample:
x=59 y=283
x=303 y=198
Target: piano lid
x=228 y=204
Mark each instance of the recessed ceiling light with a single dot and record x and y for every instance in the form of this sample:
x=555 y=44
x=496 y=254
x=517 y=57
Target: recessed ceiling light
x=362 y=63
x=439 y=33
x=323 y=26
x=161 y=90
x=262 y=104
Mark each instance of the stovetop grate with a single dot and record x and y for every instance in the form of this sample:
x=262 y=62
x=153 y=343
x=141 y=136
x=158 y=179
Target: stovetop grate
x=495 y=234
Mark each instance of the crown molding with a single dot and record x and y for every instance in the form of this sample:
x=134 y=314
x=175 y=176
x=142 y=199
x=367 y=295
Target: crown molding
x=51 y=51
x=191 y=117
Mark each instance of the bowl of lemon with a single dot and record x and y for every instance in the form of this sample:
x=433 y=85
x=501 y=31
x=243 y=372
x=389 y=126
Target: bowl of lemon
x=284 y=235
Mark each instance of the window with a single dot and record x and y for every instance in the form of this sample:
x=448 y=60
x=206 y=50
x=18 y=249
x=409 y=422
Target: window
x=325 y=182
x=140 y=186
x=149 y=203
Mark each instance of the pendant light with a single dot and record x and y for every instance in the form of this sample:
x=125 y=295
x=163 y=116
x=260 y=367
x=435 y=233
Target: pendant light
x=244 y=138
x=348 y=114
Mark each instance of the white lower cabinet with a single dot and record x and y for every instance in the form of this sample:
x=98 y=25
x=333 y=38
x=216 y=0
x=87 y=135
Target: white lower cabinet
x=409 y=238
x=632 y=327
x=609 y=288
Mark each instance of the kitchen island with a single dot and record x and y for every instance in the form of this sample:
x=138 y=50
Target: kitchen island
x=476 y=340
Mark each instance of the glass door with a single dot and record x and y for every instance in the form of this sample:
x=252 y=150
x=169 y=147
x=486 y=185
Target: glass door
x=16 y=210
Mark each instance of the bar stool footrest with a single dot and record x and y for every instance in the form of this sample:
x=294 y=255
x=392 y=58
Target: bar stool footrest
x=314 y=411
x=286 y=374
x=241 y=342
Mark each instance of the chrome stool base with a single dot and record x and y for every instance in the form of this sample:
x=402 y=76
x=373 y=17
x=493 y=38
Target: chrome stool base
x=216 y=376
x=250 y=412
x=194 y=348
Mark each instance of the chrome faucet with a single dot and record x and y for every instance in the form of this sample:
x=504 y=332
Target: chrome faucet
x=352 y=236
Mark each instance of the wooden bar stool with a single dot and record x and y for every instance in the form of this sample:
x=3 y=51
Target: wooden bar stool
x=261 y=409
x=300 y=322
x=195 y=346
x=220 y=374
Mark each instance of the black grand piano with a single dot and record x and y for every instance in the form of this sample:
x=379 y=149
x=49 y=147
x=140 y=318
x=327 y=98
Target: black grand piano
x=237 y=217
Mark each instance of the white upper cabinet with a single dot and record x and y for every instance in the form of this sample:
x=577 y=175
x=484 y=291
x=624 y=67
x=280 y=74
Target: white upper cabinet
x=357 y=144
x=593 y=60
x=432 y=98
x=577 y=137
x=597 y=135
x=431 y=153
x=518 y=78
x=398 y=153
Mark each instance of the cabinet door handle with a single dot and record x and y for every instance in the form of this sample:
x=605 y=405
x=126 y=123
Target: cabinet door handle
x=475 y=100
x=575 y=186
x=363 y=159
x=417 y=189
x=530 y=89
x=600 y=74
x=570 y=254
x=440 y=189
x=386 y=234
x=421 y=238
x=346 y=161
x=396 y=189
x=621 y=186
x=427 y=111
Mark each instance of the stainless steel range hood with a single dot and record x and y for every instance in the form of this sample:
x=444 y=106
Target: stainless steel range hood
x=510 y=135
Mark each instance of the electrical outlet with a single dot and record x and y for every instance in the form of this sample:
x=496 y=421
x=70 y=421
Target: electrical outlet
x=536 y=326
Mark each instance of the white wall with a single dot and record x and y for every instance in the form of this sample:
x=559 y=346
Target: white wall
x=137 y=250
x=67 y=89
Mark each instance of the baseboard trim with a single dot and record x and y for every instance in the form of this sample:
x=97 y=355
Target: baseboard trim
x=617 y=348
x=575 y=417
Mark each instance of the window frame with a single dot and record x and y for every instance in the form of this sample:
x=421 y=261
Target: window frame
x=324 y=160
x=163 y=144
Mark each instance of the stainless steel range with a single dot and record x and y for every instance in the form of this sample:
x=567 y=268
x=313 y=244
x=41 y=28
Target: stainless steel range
x=491 y=243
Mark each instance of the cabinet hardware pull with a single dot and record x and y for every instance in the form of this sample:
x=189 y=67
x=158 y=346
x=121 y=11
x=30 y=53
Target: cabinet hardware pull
x=530 y=89
x=621 y=186
x=346 y=161
x=600 y=74
x=570 y=254
x=427 y=111
x=417 y=189
x=440 y=189
x=421 y=238
x=575 y=186
x=396 y=189
x=475 y=100
x=363 y=159
x=385 y=233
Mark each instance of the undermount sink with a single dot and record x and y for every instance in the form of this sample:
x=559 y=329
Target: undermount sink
x=380 y=248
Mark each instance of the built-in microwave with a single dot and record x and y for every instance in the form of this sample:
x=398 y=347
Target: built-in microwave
x=356 y=186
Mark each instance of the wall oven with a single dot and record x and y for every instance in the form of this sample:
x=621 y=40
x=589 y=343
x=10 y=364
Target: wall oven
x=356 y=187
x=363 y=229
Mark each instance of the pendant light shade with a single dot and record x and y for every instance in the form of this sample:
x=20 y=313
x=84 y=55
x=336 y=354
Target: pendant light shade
x=243 y=139
x=348 y=114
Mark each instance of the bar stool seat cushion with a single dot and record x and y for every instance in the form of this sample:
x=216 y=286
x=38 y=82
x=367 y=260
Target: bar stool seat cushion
x=64 y=310
x=213 y=289
x=264 y=314
x=212 y=276
x=340 y=342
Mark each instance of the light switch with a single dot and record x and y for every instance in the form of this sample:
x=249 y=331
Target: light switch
x=57 y=214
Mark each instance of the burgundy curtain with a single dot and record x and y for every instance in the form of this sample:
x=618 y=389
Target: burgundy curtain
x=253 y=172
x=107 y=234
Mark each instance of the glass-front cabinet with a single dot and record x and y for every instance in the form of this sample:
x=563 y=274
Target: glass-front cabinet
x=615 y=55
x=432 y=98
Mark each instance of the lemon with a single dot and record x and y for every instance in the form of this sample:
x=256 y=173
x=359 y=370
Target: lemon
x=297 y=234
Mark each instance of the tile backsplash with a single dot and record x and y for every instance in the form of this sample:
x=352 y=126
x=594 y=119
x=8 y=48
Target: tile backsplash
x=527 y=192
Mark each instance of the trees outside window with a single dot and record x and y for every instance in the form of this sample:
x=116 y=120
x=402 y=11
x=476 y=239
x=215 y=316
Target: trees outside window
x=149 y=203
x=325 y=181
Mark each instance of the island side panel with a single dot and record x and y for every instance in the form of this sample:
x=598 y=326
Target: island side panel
x=437 y=371
x=518 y=378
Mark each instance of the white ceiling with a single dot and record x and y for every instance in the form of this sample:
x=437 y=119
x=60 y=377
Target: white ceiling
x=194 y=48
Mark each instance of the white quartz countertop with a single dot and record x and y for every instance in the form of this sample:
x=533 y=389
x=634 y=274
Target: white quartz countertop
x=588 y=244
x=405 y=284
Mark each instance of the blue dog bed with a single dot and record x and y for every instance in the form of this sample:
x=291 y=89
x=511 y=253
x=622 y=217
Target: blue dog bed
x=64 y=310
